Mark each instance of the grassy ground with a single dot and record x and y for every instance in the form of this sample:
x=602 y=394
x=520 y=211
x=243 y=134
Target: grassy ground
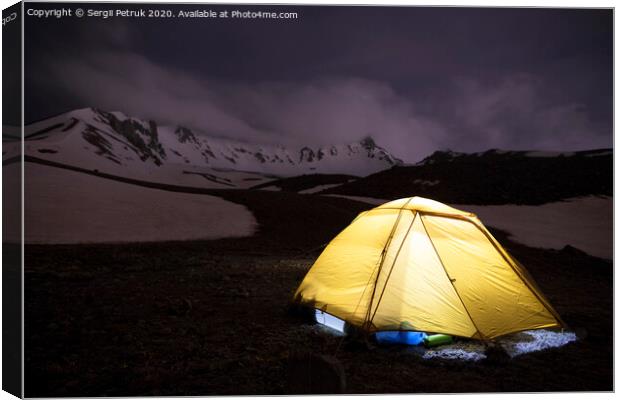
x=207 y=318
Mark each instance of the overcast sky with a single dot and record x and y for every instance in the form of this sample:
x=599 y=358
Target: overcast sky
x=415 y=79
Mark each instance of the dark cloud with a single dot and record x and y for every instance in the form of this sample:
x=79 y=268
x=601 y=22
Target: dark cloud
x=334 y=110
x=416 y=79
x=514 y=114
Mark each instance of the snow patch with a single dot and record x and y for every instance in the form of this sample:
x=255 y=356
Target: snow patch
x=271 y=188
x=602 y=153
x=71 y=207
x=319 y=188
x=585 y=223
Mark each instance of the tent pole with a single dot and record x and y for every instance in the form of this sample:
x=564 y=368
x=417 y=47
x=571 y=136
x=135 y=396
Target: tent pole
x=367 y=322
x=482 y=337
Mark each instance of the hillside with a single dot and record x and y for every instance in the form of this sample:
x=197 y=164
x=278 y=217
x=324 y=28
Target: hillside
x=492 y=177
x=307 y=183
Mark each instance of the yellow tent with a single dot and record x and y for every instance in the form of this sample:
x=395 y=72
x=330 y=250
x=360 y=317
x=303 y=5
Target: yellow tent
x=431 y=265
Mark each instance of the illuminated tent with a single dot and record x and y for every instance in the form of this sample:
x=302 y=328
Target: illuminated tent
x=432 y=266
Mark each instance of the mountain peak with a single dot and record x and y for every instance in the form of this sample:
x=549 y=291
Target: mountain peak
x=368 y=142
x=185 y=134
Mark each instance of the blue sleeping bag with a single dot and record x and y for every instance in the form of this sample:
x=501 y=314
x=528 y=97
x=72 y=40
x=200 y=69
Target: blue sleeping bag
x=409 y=337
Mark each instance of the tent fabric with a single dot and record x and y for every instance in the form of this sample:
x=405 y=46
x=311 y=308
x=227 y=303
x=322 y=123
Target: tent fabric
x=419 y=261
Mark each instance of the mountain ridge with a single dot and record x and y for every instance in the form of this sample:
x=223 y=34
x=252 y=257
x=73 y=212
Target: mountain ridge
x=492 y=177
x=123 y=140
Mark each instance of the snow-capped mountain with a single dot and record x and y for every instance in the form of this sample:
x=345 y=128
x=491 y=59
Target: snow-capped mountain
x=111 y=142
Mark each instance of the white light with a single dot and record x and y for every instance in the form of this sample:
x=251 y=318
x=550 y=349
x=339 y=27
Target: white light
x=536 y=340
x=454 y=354
x=329 y=321
x=515 y=345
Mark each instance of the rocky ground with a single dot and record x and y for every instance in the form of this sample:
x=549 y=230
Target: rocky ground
x=210 y=318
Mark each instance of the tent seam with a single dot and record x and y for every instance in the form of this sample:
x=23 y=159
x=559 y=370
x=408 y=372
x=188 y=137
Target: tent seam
x=490 y=238
x=482 y=337
x=415 y=215
x=380 y=267
x=498 y=248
